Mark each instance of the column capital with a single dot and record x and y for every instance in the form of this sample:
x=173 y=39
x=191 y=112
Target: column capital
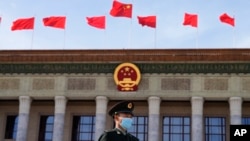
x=197 y=105
x=101 y=104
x=60 y=104
x=60 y=98
x=196 y=99
x=103 y=98
x=25 y=98
x=154 y=99
x=154 y=104
x=24 y=102
x=234 y=100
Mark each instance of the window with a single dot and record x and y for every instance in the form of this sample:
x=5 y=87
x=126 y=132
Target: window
x=215 y=128
x=245 y=121
x=46 y=128
x=11 y=127
x=176 y=129
x=83 y=128
x=140 y=127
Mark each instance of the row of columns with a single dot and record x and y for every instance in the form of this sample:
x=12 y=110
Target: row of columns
x=23 y=117
x=101 y=111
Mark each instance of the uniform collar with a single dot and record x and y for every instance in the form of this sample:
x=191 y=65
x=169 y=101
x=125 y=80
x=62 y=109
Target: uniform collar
x=118 y=130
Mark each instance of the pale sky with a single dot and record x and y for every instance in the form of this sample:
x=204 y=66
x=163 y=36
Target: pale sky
x=125 y=33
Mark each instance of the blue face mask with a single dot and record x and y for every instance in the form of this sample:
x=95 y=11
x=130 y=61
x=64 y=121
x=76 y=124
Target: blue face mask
x=126 y=123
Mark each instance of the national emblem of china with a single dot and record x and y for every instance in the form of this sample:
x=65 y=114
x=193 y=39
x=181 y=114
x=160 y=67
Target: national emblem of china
x=127 y=77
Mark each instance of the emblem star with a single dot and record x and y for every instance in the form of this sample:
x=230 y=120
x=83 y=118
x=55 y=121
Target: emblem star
x=126 y=7
x=127 y=69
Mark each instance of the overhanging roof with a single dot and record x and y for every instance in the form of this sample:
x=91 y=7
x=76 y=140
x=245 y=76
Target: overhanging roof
x=105 y=61
x=143 y=55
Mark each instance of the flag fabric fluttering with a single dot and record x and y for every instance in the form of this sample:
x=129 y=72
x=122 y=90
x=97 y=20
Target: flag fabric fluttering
x=149 y=21
x=98 y=22
x=227 y=19
x=56 y=22
x=121 y=9
x=191 y=19
x=23 y=24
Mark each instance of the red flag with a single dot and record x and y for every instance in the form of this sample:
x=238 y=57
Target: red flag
x=23 y=24
x=191 y=19
x=56 y=22
x=147 y=21
x=227 y=19
x=121 y=10
x=98 y=22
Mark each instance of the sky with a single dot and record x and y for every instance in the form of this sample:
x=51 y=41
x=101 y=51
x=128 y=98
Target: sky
x=125 y=33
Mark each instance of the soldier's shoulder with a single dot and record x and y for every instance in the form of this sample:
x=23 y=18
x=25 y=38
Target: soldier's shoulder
x=133 y=137
x=105 y=135
x=110 y=131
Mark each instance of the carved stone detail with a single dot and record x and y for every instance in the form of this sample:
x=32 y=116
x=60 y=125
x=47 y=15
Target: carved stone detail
x=43 y=84
x=81 y=84
x=216 y=84
x=9 y=84
x=175 y=84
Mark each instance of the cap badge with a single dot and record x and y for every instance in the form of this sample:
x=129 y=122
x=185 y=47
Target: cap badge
x=130 y=105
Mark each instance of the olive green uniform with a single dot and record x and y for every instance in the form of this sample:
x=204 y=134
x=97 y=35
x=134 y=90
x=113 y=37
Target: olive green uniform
x=117 y=135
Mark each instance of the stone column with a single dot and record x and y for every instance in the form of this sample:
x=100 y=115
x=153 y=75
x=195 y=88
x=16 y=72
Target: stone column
x=101 y=112
x=235 y=110
x=60 y=108
x=23 y=118
x=154 y=118
x=197 y=118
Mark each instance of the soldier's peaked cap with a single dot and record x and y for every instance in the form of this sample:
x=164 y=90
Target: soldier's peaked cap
x=122 y=107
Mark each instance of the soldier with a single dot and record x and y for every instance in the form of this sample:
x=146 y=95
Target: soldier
x=122 y=115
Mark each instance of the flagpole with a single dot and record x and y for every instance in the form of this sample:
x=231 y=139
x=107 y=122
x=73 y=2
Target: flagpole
x=129 y=35
x=105 y=32
x=104 y=39
x=32 y=34
x=130 y=39
x=234 y=36
x=131 y=25
x=64 y=34
x=32 y=39
x=155 y=39
x=197 y=35
x=197 y=31
x=130 y=30
x=64 y=38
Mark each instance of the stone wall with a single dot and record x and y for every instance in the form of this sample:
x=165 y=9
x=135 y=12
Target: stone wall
x=88 y=86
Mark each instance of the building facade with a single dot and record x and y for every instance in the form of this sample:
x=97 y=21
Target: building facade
x=183 y=95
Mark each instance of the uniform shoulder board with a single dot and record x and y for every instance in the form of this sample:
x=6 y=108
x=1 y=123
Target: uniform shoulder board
x=107 y=131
